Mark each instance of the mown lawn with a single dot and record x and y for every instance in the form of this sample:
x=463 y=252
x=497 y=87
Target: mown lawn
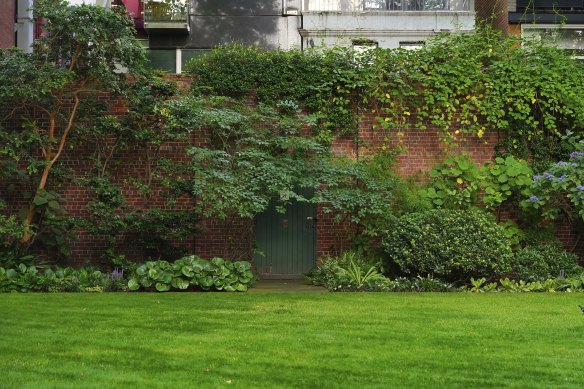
x=181 y=340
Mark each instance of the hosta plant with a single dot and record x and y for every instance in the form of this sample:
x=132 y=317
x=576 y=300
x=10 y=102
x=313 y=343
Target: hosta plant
x=193 y=272
x=23 y=278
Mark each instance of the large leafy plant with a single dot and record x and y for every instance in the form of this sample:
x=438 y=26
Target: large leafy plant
x=459 y=183
x=193 y=272
x=23 y=278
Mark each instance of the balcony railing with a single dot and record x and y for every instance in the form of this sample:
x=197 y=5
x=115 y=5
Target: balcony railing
x=564 y=5
x=166 y=11
x=385 y=5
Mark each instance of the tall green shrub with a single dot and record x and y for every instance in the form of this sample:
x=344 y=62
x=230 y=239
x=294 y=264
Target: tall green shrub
x=449 y=244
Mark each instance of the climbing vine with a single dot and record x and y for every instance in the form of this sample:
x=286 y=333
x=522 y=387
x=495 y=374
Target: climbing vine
x=462 y=85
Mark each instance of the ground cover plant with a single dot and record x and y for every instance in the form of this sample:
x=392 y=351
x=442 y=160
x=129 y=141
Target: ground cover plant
x=188 y=273
x=291 y=340
x=23 y=278
x=192 y=272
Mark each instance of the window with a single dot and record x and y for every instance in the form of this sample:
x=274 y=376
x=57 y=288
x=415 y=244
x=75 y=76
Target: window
x=413 y=45
x=172 y=60
x=567 y=37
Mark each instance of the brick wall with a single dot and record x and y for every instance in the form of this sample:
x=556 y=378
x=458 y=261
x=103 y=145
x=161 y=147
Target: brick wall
x=423 y=150
x=234 y=237
x=495 y=12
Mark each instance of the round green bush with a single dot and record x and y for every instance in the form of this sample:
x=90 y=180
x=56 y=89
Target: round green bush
x=544 y=261
x=452 y=245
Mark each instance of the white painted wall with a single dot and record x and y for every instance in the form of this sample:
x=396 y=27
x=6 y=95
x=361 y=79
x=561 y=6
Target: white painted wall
x=24 y=27
x=386 y=28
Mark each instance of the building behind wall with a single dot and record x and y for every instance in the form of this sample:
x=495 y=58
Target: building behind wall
x=562 y=21
x=174 y=31
x=177 y=30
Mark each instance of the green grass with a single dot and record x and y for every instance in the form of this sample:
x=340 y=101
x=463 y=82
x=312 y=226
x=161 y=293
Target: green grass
x=137 y=340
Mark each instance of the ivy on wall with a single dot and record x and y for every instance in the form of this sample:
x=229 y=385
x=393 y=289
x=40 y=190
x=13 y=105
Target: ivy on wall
x=460 y=84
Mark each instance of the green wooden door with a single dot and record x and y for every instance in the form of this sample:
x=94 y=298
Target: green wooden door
x=287 y=241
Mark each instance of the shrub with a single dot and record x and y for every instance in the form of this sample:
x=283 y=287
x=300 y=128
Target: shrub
x=560 y=190
x=193 y=272
x=544 y=261
x=451 y=245
x=351 y=270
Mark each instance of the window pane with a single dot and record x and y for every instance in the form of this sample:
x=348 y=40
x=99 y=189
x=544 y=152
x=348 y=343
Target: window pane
x=188 y=54
x=163 y=59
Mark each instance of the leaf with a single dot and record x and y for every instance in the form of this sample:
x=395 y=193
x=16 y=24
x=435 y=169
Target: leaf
x=39 y=200
x=133 y=284
x=241 y=288
x=162 y=287
x=187 y=271
x=180 y=283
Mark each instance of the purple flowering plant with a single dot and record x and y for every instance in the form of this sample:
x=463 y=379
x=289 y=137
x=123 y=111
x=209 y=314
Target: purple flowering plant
x=560 y=189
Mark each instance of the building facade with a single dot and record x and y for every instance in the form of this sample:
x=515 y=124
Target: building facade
x=560 y=21
x=177 y=30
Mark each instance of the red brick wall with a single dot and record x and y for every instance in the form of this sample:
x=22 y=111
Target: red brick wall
x=424 y=149
x=235 y=237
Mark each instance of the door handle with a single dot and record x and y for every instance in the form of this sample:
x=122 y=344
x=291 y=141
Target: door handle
x=310 y=222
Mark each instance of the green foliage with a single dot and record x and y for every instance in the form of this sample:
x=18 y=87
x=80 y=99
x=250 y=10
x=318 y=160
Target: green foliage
x=359 y=277
x=143 y=130
x=474 y=83
x=193 y=272
x=155 y=230
x=254 y=155
x=560 y=189
x=351 y=270
x=544 y=261
x=419 y=284
x=325 y=83
x=10 y=229
x=558 y=284
x=480 y=286
x=456 y=184
x=12 y=255
x=451 y=245
x=407 y=199
x=23 y=278
x=505 y=177
x=459 y=183
x=483 y=82
x=92 y=42
x=51 y=94
x=358 y=192
x=354 y=271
